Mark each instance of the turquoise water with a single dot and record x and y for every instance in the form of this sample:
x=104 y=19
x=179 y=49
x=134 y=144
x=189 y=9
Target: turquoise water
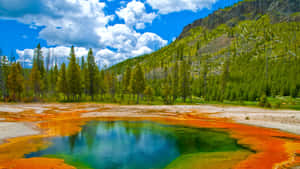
x=134 y=145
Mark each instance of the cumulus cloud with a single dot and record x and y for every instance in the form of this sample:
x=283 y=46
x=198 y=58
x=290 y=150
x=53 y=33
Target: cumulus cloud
x=169 y=6
x=126 y=45
x=124 y=39
x=84 y=23
x=69 y=22
x=129 y=43
x=134 y=14
x=58 y=54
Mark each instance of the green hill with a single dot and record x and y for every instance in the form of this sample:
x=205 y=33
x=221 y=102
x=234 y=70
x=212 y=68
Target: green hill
x=238 y=53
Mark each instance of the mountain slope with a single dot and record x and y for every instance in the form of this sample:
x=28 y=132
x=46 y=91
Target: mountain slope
x=237 y=53
x=280 y=10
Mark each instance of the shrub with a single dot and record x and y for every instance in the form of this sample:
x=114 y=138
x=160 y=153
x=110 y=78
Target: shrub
x=263 y=101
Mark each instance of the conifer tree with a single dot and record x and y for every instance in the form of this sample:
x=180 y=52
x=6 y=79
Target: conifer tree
x=1 y=76
x=204 y=78
x=184 y=80
x=4 y=76
x=48 y=58
x=62 y=84
x=73 y=76
x=224 y=77
x=35 y=80
x=85 y=78
x=92 y=74
x=102 y=84
x=15 y=81
x=175 y=82
x=110 y=80
x=138 y=82
x=167 y=90
x=126 y=81
x=82 y=63
x=53 y=78
x=149 y=92
x=38 y=59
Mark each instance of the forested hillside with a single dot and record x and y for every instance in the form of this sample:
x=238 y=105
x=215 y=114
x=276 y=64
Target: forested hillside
x=246 y=52
x=238 y=53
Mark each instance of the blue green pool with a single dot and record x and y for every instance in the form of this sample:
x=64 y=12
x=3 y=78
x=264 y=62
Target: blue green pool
x=134 y=145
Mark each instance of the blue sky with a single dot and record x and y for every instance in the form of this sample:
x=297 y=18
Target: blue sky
x=116 y=30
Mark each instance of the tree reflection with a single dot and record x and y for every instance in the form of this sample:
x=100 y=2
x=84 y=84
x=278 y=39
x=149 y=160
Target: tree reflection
x=72 y=141
x=89 y=132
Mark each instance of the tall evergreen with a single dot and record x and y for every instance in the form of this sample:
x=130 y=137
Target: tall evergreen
x=138 y=82
x=15 y=81
x=53 y=79
x=126 y=81
x=4 y=75
x=184 y=80
x=92 y=74
x=38 y=59
x=36 y=81
x=175 y=82
x=149 y=93
x=62 y=83
x=73 y=76
x=102 y=84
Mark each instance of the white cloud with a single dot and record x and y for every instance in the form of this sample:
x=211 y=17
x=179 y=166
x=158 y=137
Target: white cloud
x=25 y=56
x=169 y=6
x=83 y=23
x=127 y=45
x=65 y=22
x=58 y=54
x=151 y=40
x=125 y=39
x=134 y=14
x=141 y=51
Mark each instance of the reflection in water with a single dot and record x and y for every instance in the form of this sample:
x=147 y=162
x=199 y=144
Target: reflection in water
x=134 y=145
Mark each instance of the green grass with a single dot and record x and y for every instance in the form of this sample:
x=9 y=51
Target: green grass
x=279 y=102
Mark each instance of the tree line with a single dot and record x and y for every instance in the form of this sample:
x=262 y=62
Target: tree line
x=73 y=82
x=84 y=81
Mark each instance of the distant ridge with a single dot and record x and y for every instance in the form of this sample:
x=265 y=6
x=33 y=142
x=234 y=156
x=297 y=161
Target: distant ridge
x=280 y=10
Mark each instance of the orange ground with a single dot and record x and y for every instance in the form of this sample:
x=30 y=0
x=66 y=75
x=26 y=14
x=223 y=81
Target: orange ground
x=274 y=148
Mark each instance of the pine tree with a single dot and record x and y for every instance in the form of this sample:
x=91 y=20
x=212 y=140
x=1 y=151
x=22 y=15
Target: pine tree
x=203 y=77
x=167 y=90
x=138 y=82
x=73 y=76
x=53 y=78
x=62 y=84
x=149 y=92
x=82 y=63
x=48 y=58
x=110 y=80
x=4 y=76
x=1 y=76
x=126 y=81
x=102 y=84
x=35 y=80
x=184 y=80
x=38 y=59
x=224 y=77
x=92 y=74
x=175 y=82
x=15 y=81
